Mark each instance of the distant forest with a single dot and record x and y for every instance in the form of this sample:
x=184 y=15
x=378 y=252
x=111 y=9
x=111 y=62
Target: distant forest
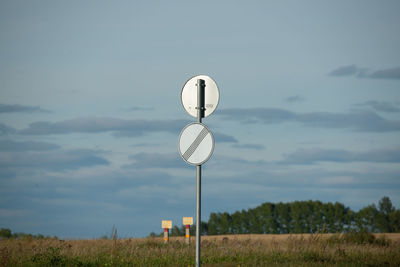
x=301 y=217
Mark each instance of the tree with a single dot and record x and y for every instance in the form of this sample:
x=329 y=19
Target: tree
x=176 y=231
x=225 y=223
x=236 y=227
x=318 y=222
x=383 y=218
x=394 y=221
x=5 y=233
x=366 y=219
x=214 y=224
x=245 y=222
x=385 y=206
x=152 y=234
x=268 y=222
x=341 y=217
x=255 y=221
x=296 y=217
x=282 y=215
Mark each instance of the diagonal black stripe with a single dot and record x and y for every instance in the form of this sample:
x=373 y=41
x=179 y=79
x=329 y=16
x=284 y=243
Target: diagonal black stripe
x=189 y=152
x=192 y=148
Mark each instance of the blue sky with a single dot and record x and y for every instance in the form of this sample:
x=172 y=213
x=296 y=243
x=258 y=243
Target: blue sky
x=90 y=109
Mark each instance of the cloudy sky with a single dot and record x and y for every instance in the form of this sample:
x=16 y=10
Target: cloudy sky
x=90 y=109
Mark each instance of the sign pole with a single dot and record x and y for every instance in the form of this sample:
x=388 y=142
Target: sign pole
x=198 y=215
x=196 y=142
x=200 y=114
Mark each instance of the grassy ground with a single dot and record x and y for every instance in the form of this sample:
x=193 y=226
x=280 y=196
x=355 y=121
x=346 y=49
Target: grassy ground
x=234 y=250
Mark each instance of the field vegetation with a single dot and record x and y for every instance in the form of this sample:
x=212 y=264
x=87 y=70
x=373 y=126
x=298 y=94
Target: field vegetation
x=300 y=233
x=352 y=249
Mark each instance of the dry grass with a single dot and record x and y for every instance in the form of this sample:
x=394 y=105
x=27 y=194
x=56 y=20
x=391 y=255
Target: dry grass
x=283 y=237
x=227 y=250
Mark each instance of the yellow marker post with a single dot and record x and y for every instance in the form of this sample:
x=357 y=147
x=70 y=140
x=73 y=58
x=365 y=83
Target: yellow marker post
x=187 y=221
x=166 y=224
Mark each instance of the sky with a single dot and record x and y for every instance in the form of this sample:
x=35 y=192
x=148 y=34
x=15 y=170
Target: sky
x=90 y=109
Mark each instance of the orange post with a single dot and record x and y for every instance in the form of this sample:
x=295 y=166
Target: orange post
x=166 y=235
x=187 y=235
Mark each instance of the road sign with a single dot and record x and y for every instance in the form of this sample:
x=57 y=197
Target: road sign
x=189 y=95
x=166 y=224
x=199 y=96
x=187 y=220
x=196 y=143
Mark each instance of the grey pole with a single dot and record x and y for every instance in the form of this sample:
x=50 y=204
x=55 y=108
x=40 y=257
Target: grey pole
x=200 y=114
x=198 y=215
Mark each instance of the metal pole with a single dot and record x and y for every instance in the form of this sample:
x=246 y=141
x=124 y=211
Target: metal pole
x=201 y=85
x=200 y=114
x=198 y=216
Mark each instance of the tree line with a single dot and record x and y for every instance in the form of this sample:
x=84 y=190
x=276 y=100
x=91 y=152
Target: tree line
x=301 y=217
x=6 y=233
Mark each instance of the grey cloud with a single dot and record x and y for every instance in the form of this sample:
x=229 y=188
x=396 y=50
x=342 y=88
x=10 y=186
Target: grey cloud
x=4 y=108
x=235 y=164
x=252 y=115
x=311 y=156
x=393 y=73
x=8 y=145
x=173 y=160
x=349 y=70
x=304 y=180
x=51 y=160
x=380 y=106
x=101 y=193
x=359 y=121
x=119 y=127
x=353 y=70
x=145 y=145
x=362 y=121
x=140 y=109
x=224 y=138
x=4 y=129
x=156 y=160
x=249 y=146
x=294 y=99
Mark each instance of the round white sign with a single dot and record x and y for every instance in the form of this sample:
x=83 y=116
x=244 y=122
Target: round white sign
x=189 y=95
x=196 y=143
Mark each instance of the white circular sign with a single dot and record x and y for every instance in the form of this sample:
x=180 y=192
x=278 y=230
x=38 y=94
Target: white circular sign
x=196 y=143
x=189 y=95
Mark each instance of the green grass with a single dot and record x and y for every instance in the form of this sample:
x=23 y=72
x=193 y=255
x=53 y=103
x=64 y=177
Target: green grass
x=293 y=250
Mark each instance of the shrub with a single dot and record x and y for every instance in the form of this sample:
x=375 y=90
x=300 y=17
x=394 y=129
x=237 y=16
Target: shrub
x=5 y=233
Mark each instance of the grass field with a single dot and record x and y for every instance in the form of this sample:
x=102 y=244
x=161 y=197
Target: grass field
x=231 y=250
